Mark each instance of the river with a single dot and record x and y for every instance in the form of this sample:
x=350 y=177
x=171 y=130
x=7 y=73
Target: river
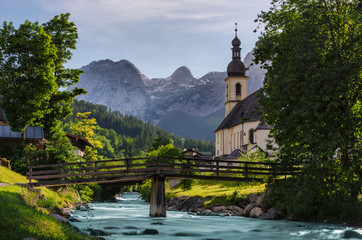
x=128 y=218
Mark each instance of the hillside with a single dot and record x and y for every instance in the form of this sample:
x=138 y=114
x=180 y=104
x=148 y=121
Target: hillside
x=24 y=213
x=129 y=136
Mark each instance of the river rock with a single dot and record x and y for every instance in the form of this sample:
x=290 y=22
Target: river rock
x=260 y=199
x=132 y=233
x=66 y=212
x=207 y=212
x=192 y=203
x=235 y=210
x=73 y=219
x=271 y=214
x=252 y=198
x=176 y=203
x=255 y=212
x=111 y=227
x=248 y=208
x=97 y=232
x=150 y=232
x=219 y=209
x=351 y=234
x=157 y=223
x=59 y=218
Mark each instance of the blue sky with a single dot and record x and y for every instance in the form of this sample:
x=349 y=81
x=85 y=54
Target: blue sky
x=158 y=36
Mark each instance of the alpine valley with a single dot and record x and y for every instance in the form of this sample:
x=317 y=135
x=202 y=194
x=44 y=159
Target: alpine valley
x=182 y=103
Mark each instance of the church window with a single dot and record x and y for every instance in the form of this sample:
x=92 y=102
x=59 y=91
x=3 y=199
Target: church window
x=251 y=136
x=234 y=141
x=238 y=145
x=238 y=89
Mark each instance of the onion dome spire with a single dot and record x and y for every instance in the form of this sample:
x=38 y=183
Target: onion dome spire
x=236 y=67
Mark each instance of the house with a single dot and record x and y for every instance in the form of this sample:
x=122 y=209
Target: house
x=79 y=143
x=242 y=129
x=34 y=135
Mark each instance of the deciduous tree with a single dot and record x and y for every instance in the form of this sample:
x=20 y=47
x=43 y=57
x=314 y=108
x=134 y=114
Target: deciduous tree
x=312 y=95
x=312 y=92
x=32 y=72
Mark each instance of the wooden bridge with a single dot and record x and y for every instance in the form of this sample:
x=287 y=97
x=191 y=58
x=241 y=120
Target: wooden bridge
x=157 y=169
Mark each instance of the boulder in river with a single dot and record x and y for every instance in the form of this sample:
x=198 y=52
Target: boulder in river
x=248 y=208
x=351 y=234
x=271 y=214
x=255 y=212
x=150 y=232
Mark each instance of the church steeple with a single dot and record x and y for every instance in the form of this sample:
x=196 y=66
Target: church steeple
x=236 y=84
x=236 y=67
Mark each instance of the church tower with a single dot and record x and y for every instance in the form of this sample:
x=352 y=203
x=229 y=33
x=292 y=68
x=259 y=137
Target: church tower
x=236 y=83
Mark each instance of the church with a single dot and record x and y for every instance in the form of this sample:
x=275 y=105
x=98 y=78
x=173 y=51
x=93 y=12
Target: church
x=241 y=130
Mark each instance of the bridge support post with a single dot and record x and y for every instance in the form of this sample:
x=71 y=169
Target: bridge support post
x=158 y=199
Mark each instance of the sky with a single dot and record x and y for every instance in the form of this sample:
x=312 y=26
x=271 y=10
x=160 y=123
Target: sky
x=157 y=36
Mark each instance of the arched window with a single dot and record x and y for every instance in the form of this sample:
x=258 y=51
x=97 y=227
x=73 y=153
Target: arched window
x=238 y=89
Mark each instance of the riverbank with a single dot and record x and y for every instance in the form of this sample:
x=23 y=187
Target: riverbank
x=254 y=207
x=35 y=214
x=210 y=198
x=128 y=219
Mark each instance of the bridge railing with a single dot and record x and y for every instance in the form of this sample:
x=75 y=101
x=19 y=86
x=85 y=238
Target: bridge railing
x=138 y=169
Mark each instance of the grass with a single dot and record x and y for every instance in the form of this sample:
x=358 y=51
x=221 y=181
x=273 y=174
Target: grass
x=220 y=192
x=24 y=213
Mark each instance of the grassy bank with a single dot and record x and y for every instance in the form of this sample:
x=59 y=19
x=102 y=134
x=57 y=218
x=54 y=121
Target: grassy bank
x=24 y=213
x=220 y=192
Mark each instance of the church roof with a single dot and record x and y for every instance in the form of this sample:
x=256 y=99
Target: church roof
x=244 y=111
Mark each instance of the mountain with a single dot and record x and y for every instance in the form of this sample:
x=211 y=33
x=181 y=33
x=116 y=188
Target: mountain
x=118 y=85
x=181 y=103
x=255 y=73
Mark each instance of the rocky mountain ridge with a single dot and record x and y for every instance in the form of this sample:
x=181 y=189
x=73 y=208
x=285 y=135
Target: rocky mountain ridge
x=122 y=87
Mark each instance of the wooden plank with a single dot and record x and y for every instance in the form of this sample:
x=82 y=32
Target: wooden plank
x=90 y=180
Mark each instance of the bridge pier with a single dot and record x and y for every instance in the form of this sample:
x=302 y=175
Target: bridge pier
x=158 y=199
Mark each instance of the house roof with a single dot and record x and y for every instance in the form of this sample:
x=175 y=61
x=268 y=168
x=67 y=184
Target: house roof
x=31 y=132
x=244 y=111
x=237 y=153
x=263 y=126
x=77 y=138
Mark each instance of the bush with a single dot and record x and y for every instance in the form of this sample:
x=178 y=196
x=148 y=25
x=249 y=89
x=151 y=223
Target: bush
x=186 y=184
x=320 y=193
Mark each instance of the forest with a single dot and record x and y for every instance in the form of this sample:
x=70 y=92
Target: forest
x=127 y=136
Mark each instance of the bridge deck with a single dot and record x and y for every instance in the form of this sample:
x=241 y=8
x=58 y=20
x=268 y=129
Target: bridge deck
x=140 y=169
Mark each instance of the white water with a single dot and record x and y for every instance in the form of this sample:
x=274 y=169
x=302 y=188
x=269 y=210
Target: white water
x=130 y=214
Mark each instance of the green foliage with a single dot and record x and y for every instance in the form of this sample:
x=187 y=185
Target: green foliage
x=129 y=135
x=25 y=212
x=186 y=184
x=32 y=72
x=88 y=192
x=26 y=73
x=312 y=91
x=59 y=150
x=322 y=192
x=85 y=127
x=145 y=190
x=166 y=151
x=312 y=96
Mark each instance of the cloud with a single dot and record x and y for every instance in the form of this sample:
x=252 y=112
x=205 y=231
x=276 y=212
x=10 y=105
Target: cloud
x=197 y=15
